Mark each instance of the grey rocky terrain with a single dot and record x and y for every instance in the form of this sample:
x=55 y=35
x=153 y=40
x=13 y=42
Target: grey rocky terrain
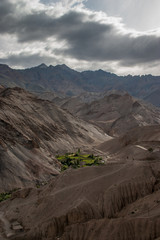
x=119 y=199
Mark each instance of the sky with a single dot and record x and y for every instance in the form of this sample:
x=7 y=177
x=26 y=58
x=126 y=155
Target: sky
x=119 y=36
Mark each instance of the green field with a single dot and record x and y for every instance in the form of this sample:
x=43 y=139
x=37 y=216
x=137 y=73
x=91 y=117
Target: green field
x=77 y=160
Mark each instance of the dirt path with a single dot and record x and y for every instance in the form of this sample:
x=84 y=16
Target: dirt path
x=141 y=147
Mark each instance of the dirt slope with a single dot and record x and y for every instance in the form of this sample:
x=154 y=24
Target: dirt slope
x=32 y=132
x=116 y=201
x=115 y=114
x=141 y=143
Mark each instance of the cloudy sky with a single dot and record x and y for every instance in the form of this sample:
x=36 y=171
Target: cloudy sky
x=120 y=36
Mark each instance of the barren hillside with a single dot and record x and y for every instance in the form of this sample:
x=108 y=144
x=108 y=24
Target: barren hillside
x=32 y=132
x=119 y=199
x=116 y=201
x=114 y=113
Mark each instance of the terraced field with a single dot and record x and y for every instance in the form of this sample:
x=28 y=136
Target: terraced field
x=77 y=160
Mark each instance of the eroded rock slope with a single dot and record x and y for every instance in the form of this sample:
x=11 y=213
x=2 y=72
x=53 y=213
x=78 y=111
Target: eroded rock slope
x=116 y=201
x=32 y=132
x=115 y=113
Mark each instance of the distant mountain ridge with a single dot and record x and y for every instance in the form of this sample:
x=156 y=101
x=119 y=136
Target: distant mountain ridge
x=66 y=81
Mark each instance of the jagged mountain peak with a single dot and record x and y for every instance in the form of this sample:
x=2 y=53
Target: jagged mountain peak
x=42 y=65
x=63 y=67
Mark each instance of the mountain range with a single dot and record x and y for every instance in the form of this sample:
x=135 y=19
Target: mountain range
x=48 y=115
x=65 y=81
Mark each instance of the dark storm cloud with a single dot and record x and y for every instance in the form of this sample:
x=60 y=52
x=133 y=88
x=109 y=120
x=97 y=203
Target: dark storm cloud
x=48 y=1
x=41 y=26
x=6 y=8
x=36 y=26
x=110 y=46
x=86 y=38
